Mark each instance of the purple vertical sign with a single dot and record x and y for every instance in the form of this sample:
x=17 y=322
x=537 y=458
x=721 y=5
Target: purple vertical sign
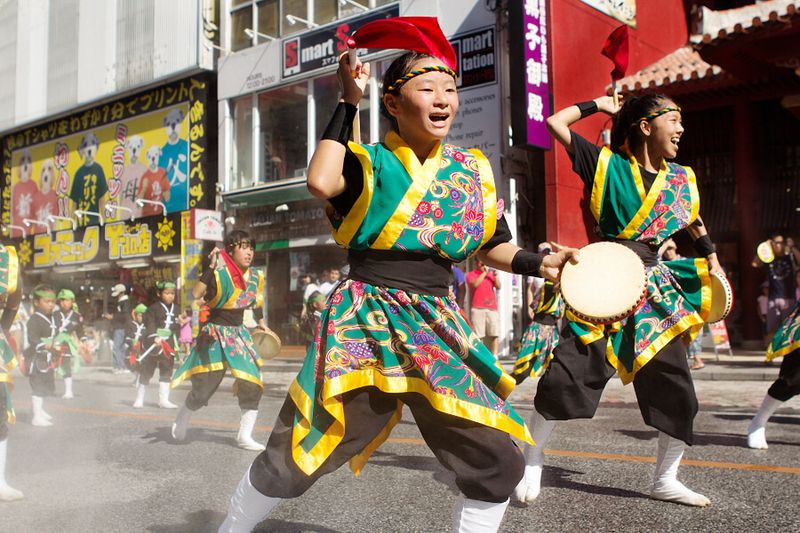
x=537 y=85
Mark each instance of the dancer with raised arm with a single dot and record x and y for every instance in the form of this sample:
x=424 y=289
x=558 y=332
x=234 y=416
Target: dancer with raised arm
x=406 y=209
x=638 y=199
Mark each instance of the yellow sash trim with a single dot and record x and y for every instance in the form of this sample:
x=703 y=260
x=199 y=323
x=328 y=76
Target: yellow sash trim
x=692 y=323
x=786 y=350
x=215 y=300
x=332 y=390
x=599 y=183
x=199 y=369
x=695 y=195
x=13 y=270
x=647 y=202
x=260 y=289
x=355 y=217
x=489 y=196
x=422 y=175
x=6 y=378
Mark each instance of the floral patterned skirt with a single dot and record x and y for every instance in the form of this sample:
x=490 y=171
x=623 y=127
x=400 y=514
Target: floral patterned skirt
x=398 y=342
x=787 y=338
x=538 y=343
x=677 y=302
x=8 y=362
x=219 y=347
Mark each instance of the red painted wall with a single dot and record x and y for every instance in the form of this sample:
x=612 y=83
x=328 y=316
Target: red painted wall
x=579 y=72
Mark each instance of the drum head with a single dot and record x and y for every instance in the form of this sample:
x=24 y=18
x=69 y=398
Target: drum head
x=606 y=285
x=764 y=252
x=721 y=298
x=267 y=344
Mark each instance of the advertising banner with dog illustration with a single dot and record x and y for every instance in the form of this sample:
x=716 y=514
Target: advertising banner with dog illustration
x=119 y=161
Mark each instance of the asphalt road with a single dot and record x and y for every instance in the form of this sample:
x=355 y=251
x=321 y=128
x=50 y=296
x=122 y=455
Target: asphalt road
x=107 y=467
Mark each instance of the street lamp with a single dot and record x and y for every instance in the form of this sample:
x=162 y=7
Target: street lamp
x=110 y=208
x=353 y=3
x=208 y=46
x=293 y=19
x=251 y=34
x=141 y=201
x=8 y=227
x=82 y=213
x=31 y=221
x=53 y=218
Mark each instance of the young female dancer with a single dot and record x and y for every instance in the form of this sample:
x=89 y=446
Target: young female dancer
x=407 y=209
x=639 y=200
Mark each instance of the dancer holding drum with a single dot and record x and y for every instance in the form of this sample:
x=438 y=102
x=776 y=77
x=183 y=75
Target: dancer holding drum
x=786 y=344
x=638 y=200
x=230 y=286
x=407 y=209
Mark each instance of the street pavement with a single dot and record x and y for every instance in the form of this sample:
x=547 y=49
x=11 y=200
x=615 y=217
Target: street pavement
x=107 y=467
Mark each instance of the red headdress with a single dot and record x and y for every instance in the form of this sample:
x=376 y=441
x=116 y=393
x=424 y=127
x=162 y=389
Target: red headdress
x=419 y=34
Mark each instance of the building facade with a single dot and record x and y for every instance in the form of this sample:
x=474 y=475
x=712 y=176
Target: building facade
x=108 y=141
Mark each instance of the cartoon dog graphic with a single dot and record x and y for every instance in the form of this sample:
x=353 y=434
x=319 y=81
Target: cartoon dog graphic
x=46 y=202
x=175 y=160
x=89 y=186
x=23 y=192
x=154 y=183
x=130 y=180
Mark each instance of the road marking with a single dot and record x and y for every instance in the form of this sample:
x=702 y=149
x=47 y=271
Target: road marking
x=420 y=442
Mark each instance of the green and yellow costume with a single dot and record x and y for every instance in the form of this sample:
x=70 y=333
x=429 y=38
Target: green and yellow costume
x=541 y=337
x=9 y=276
x=787 y=338
x=225 y=346
x=678 y=295
x=396 y=340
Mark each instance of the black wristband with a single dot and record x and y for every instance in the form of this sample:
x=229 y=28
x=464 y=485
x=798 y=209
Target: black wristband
x=527 y=263
x=341 y=125
x=587 y=108
x=704 y=246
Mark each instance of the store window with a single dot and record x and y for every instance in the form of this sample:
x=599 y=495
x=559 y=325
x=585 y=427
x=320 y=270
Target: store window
x=268 y=20
x=283 y=139
x=242 y=167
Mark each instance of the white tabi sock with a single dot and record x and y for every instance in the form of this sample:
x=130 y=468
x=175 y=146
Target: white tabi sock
x=475 y=516
x=665 y=482
x=163 y=396
x=140 y=392
x=531 y=483
x=756 y=433
x=7 y=492
x=40 y=418
x=247 y=508
x=68 y=389
x=181 y=423
x=245 y=436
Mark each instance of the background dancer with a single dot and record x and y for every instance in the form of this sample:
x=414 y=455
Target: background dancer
x=40 y=357
x=229 y=286
x=541 y=337
x=407 y=209
x=134 y=336
x=70 y=334
x=786 y=344
x=638 y=200
x=10 y=298
x=161 y=326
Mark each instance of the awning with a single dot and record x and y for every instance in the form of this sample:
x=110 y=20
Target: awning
x=267 y=194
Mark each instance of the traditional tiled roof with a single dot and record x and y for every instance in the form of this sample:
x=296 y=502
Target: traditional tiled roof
x=719 y=25
x=684 y=64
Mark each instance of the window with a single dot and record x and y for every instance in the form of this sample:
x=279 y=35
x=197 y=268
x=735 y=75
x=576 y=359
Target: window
x=268 y=23
x=241 y=18
x=283 y=139
x=295 y=8
x=242 y=143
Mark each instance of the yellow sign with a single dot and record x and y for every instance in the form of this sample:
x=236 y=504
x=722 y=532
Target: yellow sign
x=128 y=241
x=63 y=249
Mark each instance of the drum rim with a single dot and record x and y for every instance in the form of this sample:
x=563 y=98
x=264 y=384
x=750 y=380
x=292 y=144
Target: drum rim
x=726 y=285
x=624 y=314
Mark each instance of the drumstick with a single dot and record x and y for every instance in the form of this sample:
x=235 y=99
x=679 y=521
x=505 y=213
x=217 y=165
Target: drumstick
x=352 y=58
x=616 y=94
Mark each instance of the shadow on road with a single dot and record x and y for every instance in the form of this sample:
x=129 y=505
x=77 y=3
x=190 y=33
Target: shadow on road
x=193 y=434
x=206 y=521
x=417 y=463
x=553 y=476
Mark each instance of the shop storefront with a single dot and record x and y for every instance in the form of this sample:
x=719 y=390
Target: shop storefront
x=104 y=196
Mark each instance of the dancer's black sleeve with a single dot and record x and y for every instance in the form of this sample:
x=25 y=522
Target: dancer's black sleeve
x=584 y=158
